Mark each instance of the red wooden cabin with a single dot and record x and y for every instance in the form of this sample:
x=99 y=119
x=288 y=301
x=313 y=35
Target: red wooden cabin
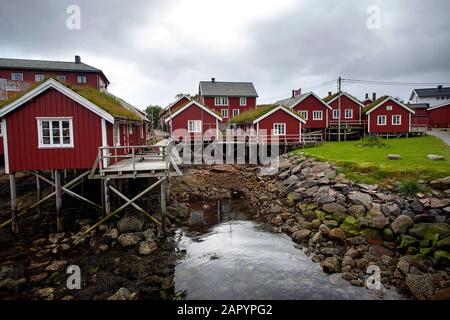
x=351 y=109
x=440 y=115
x=310 y=107
x=171 y=108
x=421 y=117
x=194 y=121
x=54 y=127
x=388 y=115
x=228 y=99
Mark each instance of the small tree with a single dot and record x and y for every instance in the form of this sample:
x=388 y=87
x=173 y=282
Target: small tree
x=153 y=112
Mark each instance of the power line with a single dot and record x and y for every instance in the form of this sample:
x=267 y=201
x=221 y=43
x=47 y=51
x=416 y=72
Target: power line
x=396 y=83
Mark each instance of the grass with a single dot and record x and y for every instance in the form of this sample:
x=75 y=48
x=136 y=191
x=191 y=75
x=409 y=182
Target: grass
x=250 y=115
x=370 y=165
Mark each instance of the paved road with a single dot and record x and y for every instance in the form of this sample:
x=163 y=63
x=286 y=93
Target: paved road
x=443 y=135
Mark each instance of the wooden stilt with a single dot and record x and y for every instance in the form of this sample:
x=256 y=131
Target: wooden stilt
x=163 y=206
x=38 y=193
x=59 y=224
x=106 y=197
x=12 y=185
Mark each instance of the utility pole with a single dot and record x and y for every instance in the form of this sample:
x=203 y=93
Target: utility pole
x=339 y=108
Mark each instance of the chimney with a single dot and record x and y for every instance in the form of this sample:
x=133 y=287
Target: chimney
x=329 y=93
x=213 y=79
x=367 y=96
x=374 y=96
x=293 y=93
x=77 y=59
x=439 y=87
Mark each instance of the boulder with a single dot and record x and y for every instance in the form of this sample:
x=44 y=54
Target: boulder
x=352 y=252
x=444 y=244
x=393 y=156
x=420 y=285
x=407 y=241
x=402 y=224
x=146 y=247
x=113 y=234
x=357 y=210
x=121 y=294
x=435 y=157
x=424 y=217
x=323 y=197
x=294 y=196
x=442 y=258
x=130 y=223
x=376 y=218
x=438 y=203
x=364 y=199
x=337 y=234
x=319 y=167
x=372 y=236
x=441 y=182
x=291 y=180
x=333 y=208
x=391 y=208
x=350 y=225
x=416 y=206
x=323 y=229
x=331 y=265
x=430 y=231
x=301 y=235
x=130 y=239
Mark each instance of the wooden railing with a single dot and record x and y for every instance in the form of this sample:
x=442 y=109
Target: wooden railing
x=347 y=122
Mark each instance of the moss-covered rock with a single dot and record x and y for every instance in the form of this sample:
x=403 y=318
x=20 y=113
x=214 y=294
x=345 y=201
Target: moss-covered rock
x=312 y=206
x=321 y=215
x=442 y=258
x=388 y=234
x=407 y=241
x=350 y=225
x=444 y=244
x=372 y=235
x=425 y=251
x=425 y=243
x=293 y=197
x=430 y=231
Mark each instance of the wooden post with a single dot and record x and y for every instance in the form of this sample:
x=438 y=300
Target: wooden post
x=106 y=197
x=59 y=224
x=12 y=185
x=163 y=206
x=38 y=193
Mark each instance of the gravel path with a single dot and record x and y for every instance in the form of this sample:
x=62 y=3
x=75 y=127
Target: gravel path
x=443 y=135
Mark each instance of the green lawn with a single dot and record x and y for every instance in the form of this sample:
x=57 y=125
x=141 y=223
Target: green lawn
x=372 y=164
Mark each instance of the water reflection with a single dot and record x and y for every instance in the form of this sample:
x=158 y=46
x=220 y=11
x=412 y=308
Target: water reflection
x=231 y=257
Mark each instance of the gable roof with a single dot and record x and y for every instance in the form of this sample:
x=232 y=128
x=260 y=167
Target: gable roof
x=381 y=100
x=415 y=106
x=48 y=65
x=293 y=101
x=439 y=106
x=430 y=92
x=103 y=104
x=175 y=102
x=198 y=104
x=277 y=109
x=227 y=89
x=334 y=96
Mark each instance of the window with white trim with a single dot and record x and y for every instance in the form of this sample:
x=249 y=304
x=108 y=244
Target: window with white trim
x=130 y=129
x=224 y=113
x=335 y=113
x=317 y=115
x=396 y=119
x=348 y=113
x=389 y=108
x=55 y=132
x=39 y=77
x=81 y=79
x=194 y=126
x=381 y=120
x=221 y=101
x=117 y=135
x=243 y=101
x=279 y=129
x=304 y=114
x=17 y=76
x=235 y=112
x=63 y=78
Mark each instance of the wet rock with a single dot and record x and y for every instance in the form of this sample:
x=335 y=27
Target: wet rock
x=331 y=265
x=401 y=224
x=56 y=237
x=147 y=247
x=393 y=156
x=130 y=239
x=121 y=294
x=421 y=286
x=364 y=199
x=337 y=234
x=130 y=223
x=56 y=265
x=301 y=235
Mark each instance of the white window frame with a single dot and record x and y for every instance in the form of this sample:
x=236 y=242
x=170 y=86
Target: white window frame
x=236 y=112
x=276 y=129
x=142 y=131
x=17 y=73
x=379 y=117
x=389 y=108
x=351 y=113
x=81 y=77
x=399 y=119
x=224 y=113
x=336 y=114
x=117 y=135
x=303 y=114
x=52 y=145
x=221 y=101
x=315 y=112
x=39 y=77
x=63 y=77
x=243 y=101
x=130 y=129
x=196 y=126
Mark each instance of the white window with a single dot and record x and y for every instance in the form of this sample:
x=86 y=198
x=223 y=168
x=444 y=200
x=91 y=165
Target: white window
x=279 y=129
x=388 y=108
x=304 y=114
x=81 y=79
x=61 y=77
x=396 y=120
x=221 y=101
x=243 y=101
x=17 y=76
x=130 y=129
x=39 y=77
x=348 y=113
x=335 y=113
x=381 y=120
x=195 y=126
x=235 y=112
x=317 y=115
x=142 y=131
x=117 y=135
x=55 y=132
x=224 y=113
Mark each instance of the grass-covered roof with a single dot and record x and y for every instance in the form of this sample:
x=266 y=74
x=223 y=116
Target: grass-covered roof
x=101 y=99
x=371 y=105
x=330 y=97
x=251 y=115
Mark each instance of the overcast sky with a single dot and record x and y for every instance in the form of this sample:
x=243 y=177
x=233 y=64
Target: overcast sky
x=151 y=50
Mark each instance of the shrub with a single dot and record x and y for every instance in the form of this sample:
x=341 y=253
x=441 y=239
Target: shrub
x=409 y=187
x=372 y=142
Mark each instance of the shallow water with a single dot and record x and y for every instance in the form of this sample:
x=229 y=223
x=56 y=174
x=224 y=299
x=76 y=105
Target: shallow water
x=231 y=257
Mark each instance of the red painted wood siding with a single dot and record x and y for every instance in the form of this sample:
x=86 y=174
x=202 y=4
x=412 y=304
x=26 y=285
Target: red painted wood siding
x=173 y=108
x=311 y=104
x=92 y=79
x=293 y=126
x=2 y=151
x=24 y=153
x=193 y=112
x=421 y=117
x=346 y=103
x=440 y=117
x=233 y=103
x=388 y=128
